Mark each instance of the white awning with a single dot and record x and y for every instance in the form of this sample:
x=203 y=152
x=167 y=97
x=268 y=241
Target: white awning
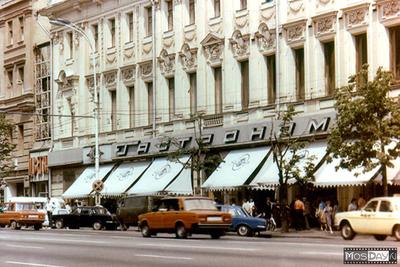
x=182 y=185
x=268 y=176
x=327 y=175
x=82 y=186
x=393 y=174
x=158 y=176
x=123 y=177
x=237 y=167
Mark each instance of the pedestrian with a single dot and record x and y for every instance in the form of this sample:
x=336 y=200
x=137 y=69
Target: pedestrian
x=252 y=207
x=353 y=205
x=268 y=209
x=307 y=213
x=361 y=202
x=328 y=214
x=320 y=215
x=49 y=208
x=298 y=214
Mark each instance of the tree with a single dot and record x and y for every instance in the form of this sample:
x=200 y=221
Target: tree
x=368 y=124
x=6 y=145
x=201 y=158
x=292 y=164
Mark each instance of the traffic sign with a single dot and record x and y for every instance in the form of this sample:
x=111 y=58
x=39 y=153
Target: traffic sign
x=98 y=186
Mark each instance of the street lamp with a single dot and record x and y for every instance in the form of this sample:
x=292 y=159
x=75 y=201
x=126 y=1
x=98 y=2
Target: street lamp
x=72 y=26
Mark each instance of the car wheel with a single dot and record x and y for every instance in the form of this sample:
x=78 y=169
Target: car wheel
x=59 y=224
x=380 y=237
x=180 y=231
x=145 y=229
x=396 y=232
x=14 y=225
x=37 y=227
x=97 y=226
x=347 y=232
x=244 y=230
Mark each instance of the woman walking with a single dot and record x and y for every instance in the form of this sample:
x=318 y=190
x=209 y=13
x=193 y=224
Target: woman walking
x=329 y=215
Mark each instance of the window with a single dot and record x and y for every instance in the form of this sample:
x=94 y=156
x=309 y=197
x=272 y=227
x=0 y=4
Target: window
x=113 y=110
x=244 y=69
x=10 y=33
x=111 y=25
x=217 y=8
x=171 y=98
x=21 y=75
x=192 y=12
x=385 y=206
x=243 y=4
x=395 y=52
x=361 y=51
x=70 y=45
x=268 y=1
x=149 y=21
x=10 y=78
x=21 y=28
x=329 y=54
x=129 y=18
x=150 y=102
x=371 y=206
x=271 y=76
x=218 y=89
x=21 y=137
x=131 y=91
x=193 y=92
x=299 y=59
x=95 y=32
x=170 y=15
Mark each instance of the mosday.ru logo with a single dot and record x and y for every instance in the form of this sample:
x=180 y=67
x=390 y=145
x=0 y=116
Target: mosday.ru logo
x=370 y=255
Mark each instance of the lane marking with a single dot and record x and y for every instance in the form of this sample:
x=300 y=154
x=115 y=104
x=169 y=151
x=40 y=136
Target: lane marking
x=18 y=246
x=199 y=247
x=57 y=240
x=31 y=264
x=163 y=257
x=322 y=253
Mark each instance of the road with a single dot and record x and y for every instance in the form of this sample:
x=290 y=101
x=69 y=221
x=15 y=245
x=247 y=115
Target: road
x=86 y=247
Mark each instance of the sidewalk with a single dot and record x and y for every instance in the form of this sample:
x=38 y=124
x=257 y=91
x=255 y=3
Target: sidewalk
x=312 y=233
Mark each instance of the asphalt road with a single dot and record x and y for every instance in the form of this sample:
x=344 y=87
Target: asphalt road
x=86 y=247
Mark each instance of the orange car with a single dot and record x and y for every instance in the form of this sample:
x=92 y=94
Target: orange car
x=184 y=216
x=21 y=214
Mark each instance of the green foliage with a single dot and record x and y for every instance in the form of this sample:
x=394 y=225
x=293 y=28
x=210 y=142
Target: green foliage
x=368 y=123
x=6 y=146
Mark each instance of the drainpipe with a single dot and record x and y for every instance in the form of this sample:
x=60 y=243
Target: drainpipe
x=154 y=80
x=277 y=57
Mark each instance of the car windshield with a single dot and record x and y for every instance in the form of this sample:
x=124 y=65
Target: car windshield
x=240 y=212
x=25 y=206
x=199 y=204
x=100 y=211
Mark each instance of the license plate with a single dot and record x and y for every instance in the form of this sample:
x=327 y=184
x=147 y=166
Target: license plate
x=33 y=216
x=214 y=219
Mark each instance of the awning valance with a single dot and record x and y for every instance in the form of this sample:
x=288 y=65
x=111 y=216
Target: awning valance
x=123 y=177
x=161 y=173
x=268 y=176
x=82 y=186
x=236 y=169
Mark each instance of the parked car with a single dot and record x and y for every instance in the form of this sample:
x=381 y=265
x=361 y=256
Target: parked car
x=130 y=207
x=185 y=216
x=242 y=222
x=97 y=217
x=380 y=217
x=16 y=215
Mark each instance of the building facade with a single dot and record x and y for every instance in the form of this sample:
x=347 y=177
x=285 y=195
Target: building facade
x=20 y=39
x=235 y=63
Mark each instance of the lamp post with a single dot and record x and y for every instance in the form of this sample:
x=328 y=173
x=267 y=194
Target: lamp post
x=72 y=26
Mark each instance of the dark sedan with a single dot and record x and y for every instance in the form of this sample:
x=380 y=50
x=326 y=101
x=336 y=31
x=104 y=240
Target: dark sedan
x=242 y=222
x=96 y=217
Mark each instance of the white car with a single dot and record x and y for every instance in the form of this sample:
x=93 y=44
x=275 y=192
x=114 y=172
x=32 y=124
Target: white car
x=380 y=217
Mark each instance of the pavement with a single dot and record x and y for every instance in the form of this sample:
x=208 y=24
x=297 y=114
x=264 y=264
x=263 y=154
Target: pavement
x=312 y=233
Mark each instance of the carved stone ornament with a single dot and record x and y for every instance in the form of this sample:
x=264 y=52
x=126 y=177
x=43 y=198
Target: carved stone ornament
x=214 y=46
x=325 y=25
x=295 y=6
x=356 y=17
x=241 y=19
x=389 y=11
x=129 y=53
x=66 y=81
x=265 y=39
x=128 y=75
x=295 y=32
x=90 y=83
x=188 y=58
x=267 y=14
x=240 y=45
x=167 y=63
x=146 y=71
x=76 y=37
x=110 y=79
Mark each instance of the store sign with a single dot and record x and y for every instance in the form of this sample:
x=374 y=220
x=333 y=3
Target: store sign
x=38 y=166
x=224 y=136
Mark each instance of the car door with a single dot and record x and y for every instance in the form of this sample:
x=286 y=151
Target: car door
x=86 y=217
x=156 y=218
x=8 y=211
x=384 y=219
x=367 y=217
x=172 y=215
